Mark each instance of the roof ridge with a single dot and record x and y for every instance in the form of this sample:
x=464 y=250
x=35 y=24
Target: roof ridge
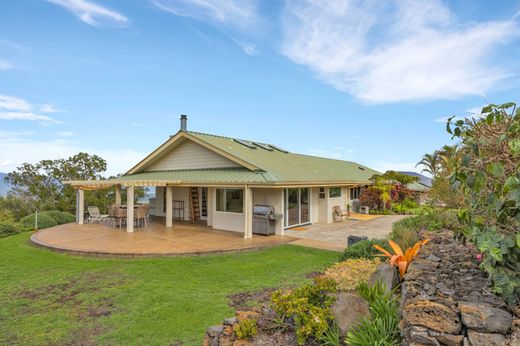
x=226 y=137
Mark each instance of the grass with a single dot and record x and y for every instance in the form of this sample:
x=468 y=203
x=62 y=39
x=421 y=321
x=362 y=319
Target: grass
x=50 y=298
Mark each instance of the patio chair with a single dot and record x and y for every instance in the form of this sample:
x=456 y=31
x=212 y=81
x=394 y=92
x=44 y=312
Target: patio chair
x=94 y=215
x=339 y=214
x=119 y=215
x=111 y=210
x=141 y=215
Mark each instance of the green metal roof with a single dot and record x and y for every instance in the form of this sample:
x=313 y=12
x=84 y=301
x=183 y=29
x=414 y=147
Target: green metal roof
x=202 y=176
x=275 y=166
x=416 y=186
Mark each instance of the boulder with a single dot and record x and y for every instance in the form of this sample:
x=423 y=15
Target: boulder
x=485 y=318
x=247 y=315
x=421 y=336
x=485 y=339
x=230 y=321
x=207 y=340
x=450 y=339
x=432 y=315
x=243 y=343
x=387 y=274
x=348 y=309
x=215 y=331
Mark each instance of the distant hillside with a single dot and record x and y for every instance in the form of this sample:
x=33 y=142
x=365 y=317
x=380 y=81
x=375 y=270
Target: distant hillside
x=3 y=186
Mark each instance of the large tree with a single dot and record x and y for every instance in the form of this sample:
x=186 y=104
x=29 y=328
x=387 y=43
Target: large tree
x=39 y=186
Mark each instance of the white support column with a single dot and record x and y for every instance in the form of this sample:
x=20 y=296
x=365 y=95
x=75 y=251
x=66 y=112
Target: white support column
x=80 y=206
x=118 y=194
x=169 y=206
x=248 y=212
x=129 y=208
x=282 y=211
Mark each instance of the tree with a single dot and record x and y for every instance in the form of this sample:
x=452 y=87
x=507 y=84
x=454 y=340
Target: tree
x=39 y=186
x=448 y=156
x=430 y=163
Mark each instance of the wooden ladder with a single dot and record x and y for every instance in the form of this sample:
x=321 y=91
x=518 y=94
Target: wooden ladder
x=194 y=204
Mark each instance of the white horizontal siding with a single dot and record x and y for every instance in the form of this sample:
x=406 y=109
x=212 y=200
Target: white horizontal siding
x=190 y=155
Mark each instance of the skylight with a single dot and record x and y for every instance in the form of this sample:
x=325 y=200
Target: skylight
x=263 y=146
x=246 y=144
x=278 y=148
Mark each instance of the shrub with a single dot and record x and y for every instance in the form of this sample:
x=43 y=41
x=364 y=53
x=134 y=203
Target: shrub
x=348 y=274
x=308 y=306
x=7 y=229
x=363 y=249
x=489 y=176
x=383 y=326
x=60 y=217
x=44 y=221
x=405 y=232
x=332 y=336
x=246 y=329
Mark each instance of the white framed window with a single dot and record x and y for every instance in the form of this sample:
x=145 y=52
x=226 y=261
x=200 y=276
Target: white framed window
x=322 y=192
x=230 y=200
x=335 y=192
x=355 y=192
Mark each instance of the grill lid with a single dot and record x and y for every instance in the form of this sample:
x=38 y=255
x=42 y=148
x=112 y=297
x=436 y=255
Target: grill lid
x=263 y=209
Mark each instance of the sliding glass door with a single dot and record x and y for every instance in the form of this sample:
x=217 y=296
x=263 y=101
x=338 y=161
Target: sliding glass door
x=297 y=207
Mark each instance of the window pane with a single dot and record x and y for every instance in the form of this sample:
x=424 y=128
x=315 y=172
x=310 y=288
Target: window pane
x=230 y=200
x=335 y=192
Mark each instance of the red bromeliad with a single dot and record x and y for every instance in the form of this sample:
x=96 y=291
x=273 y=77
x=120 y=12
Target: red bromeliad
x=400 y=259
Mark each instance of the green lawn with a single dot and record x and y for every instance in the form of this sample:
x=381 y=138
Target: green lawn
x=50 y=298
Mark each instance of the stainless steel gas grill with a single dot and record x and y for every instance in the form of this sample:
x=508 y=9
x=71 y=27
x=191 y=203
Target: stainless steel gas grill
x=264 y=219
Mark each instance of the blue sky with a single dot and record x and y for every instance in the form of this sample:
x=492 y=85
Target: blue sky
x=367 y=82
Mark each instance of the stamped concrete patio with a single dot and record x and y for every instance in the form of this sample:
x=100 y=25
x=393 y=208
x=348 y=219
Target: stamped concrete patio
x=334 y=236
x=156 y=240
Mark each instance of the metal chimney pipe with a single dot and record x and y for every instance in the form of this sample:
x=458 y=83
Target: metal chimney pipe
x=184 y=122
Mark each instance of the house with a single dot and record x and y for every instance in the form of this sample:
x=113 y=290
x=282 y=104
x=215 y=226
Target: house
x=421 y=187
x=218 y=180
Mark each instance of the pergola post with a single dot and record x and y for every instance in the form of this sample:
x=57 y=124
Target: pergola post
x=169 y=206
x=118 y=194
x=248 y=213
x=129 y=208
x=80 y=206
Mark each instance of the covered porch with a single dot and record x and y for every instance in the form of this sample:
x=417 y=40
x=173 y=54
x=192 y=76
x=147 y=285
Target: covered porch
x=168 y=196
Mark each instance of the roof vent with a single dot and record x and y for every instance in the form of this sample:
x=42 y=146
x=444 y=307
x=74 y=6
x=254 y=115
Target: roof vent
x=246 y=144
x=361 y=168
x=184 y=122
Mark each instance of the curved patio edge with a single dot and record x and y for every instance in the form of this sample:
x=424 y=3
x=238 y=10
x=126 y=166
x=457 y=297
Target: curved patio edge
x=38 y=243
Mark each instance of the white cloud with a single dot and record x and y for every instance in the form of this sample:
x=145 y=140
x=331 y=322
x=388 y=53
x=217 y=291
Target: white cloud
x=27 y=116
x=92 y=13
x=235 y=13
x=394 y=51
x=4 y=65
x=15 y=108
x=238 y=16
x=444 y=120
x=48 y=108
x=12 y=103
x=20 y=147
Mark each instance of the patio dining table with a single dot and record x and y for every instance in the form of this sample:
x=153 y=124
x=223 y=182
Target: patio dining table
x=118 y=214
